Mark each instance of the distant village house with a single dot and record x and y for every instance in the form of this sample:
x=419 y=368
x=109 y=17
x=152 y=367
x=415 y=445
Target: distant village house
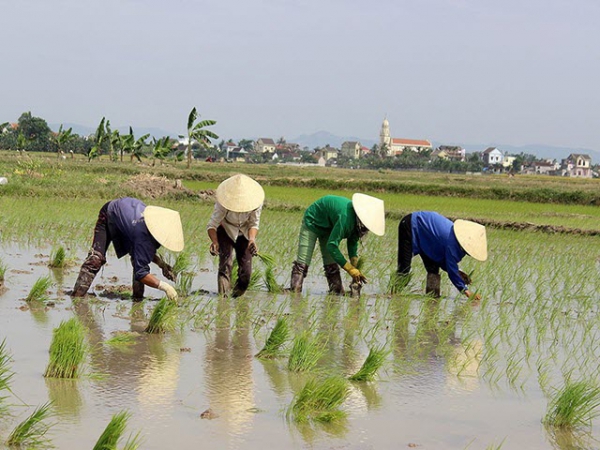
x=577 y=165
x=351 y=149
x=264 y=145
x=491 y=156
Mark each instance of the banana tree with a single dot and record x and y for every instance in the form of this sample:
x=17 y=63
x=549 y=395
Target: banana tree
x=116 y=144
x=160 y=149
x=98 y=139
x=137 y=150
x=127 y=142
x=61 y=138
x=199 y=133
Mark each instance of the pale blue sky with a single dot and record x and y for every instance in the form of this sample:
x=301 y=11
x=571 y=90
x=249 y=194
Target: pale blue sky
x=515 y=72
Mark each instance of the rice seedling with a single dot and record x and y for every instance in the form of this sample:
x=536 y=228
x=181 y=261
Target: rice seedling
x=575 y=405
x=271 y=281
x=397 y=283
x=58 y=258
x=39 y=290
x=110 y=437
x=375 y=359
x=305 y=353
x=163 y=317
x=183 y=263
x=3 y=269
x=319 y=401
x=5 y=375
x=255 y=277
x=121 y=340
x=277 y=338
x=31 y=432
x=68 y=350
x=184 y=283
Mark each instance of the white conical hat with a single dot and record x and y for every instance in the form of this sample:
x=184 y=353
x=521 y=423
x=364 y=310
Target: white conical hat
x=471 y=236
x=371 y=212
x=240 y=193
x=165 y=226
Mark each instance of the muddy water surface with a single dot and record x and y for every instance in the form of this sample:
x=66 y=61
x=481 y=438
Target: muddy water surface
x=168 y=381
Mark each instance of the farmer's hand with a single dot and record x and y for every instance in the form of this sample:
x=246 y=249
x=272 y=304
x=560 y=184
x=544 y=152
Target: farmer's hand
x=214 y=248
x=253 y=248
x=168 y=289
x=470 y=294
x=465 y=277
x=357 y=277
x=168 y=273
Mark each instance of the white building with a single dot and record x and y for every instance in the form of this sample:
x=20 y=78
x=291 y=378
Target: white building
x=264 y=145
x=396 y=146
x=492 y=155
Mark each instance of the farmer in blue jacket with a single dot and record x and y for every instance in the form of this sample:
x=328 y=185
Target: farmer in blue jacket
x=139 y=231
x=442 y=244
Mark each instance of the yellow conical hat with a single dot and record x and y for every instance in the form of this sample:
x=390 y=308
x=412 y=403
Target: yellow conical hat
x=471 y=236
x=240 y=193
x=165 y=226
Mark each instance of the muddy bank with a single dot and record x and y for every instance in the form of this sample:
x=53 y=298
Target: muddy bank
x=150 y=186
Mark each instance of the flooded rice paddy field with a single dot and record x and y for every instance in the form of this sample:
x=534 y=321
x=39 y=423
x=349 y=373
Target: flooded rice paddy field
x=458 y=374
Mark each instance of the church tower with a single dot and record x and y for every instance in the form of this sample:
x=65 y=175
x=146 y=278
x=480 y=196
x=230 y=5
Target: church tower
x=384 y=135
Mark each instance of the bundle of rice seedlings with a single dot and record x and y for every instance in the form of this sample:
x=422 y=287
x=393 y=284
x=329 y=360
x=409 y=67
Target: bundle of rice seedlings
x=32 y=431
x=375 y=359
x=163 y=318
x=39 y=290
x=305 y=353
x=121 y=340
x=67 y=350
x=184 y=283
x=320 y=401
x=574 y=406
x=58 y=258
x=109 y=439
x=277 y=338
x=270 y=280
x=397 y=283
x=182 y=263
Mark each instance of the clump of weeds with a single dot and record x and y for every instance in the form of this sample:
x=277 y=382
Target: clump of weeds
x=163 y=317
x=31 y=432
x=276 y=340
x=375 y=359
x=39 y=290
x=67 y=350
x=574 y=406
x=110 y=437
x=319 y=401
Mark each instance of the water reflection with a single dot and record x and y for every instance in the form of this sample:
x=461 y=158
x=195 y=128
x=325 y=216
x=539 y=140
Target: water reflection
x=65 y=396
x=563 y=439
x=228 y=368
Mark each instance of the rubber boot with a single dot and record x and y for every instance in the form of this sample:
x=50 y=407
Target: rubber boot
x=90 y=267
x=433 y=285
x=138 y=290
x=334 y=279
x=299 y=272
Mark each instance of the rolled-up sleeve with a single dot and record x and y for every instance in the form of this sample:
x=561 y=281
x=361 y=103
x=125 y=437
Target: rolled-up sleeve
x=452 y=260
x=254 y=218
x=219 y=213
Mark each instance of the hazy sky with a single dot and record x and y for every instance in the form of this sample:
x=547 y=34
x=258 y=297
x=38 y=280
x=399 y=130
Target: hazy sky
x=511 y=71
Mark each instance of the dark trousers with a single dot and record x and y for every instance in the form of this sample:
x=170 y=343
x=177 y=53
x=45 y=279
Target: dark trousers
x=244 y=259
x=405 y=253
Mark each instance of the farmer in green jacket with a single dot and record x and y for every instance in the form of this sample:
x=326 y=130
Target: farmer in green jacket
x=330 y=220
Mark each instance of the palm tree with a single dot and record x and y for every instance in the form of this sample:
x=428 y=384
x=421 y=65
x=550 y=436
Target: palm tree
x=61 y=138
x=199 y=133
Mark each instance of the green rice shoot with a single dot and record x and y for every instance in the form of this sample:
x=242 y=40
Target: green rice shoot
x=58 y=258
x=375 y=359
x=31 y=432
x=112 y=434
x=397 y=283
x=320 y=401
x=163 y=317
x=184 y=283
x=39 y=290
x=276 y=340
x=67 y=350
x=305 y=353
x=183 y=263
x=121 y=340
x=6 y=374
x=574 y=406
x=3 y=269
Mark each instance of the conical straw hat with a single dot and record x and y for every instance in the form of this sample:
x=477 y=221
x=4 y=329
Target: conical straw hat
x=165 y=226
x=471 y=236
x=371 y=212
x=240 y=193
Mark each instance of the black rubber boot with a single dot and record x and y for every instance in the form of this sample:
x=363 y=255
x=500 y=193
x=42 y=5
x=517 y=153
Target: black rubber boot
x=433 y=285
x=138 y=290
x=90 y=267
x=334 y=279
x=299 y=272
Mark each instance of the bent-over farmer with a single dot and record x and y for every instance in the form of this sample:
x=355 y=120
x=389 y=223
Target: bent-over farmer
x=233 y=227
x=139 y=231
x=442 y=244
x=330 y=220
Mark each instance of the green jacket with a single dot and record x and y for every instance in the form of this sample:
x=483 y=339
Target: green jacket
x=333 y=217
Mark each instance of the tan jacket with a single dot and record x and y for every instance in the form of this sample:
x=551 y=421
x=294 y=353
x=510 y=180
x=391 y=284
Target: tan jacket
x=234 y=223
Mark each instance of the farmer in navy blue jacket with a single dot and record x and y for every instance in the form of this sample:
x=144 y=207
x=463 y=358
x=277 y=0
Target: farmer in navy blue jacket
x=442 y=244
x=139 y=231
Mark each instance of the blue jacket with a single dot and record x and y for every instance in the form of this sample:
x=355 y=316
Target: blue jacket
x=130 y=234
x=433 y=236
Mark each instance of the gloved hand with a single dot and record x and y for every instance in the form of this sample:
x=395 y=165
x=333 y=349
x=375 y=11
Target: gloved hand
x=357 y=277
x=354 y=261
x=465 y=277
x=253 y=248
x=168 y=289
x=214 y=248
x=168 y=273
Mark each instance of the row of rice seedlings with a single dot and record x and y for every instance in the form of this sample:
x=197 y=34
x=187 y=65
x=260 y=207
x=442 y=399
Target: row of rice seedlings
x=575 y=405
x=374 y=361
x=319 y=401
x=39 y=290
x=163 y=317
x=112 y=434
x=68 y=350
x=31 y=432
x=276 y=340
x=305 y=352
